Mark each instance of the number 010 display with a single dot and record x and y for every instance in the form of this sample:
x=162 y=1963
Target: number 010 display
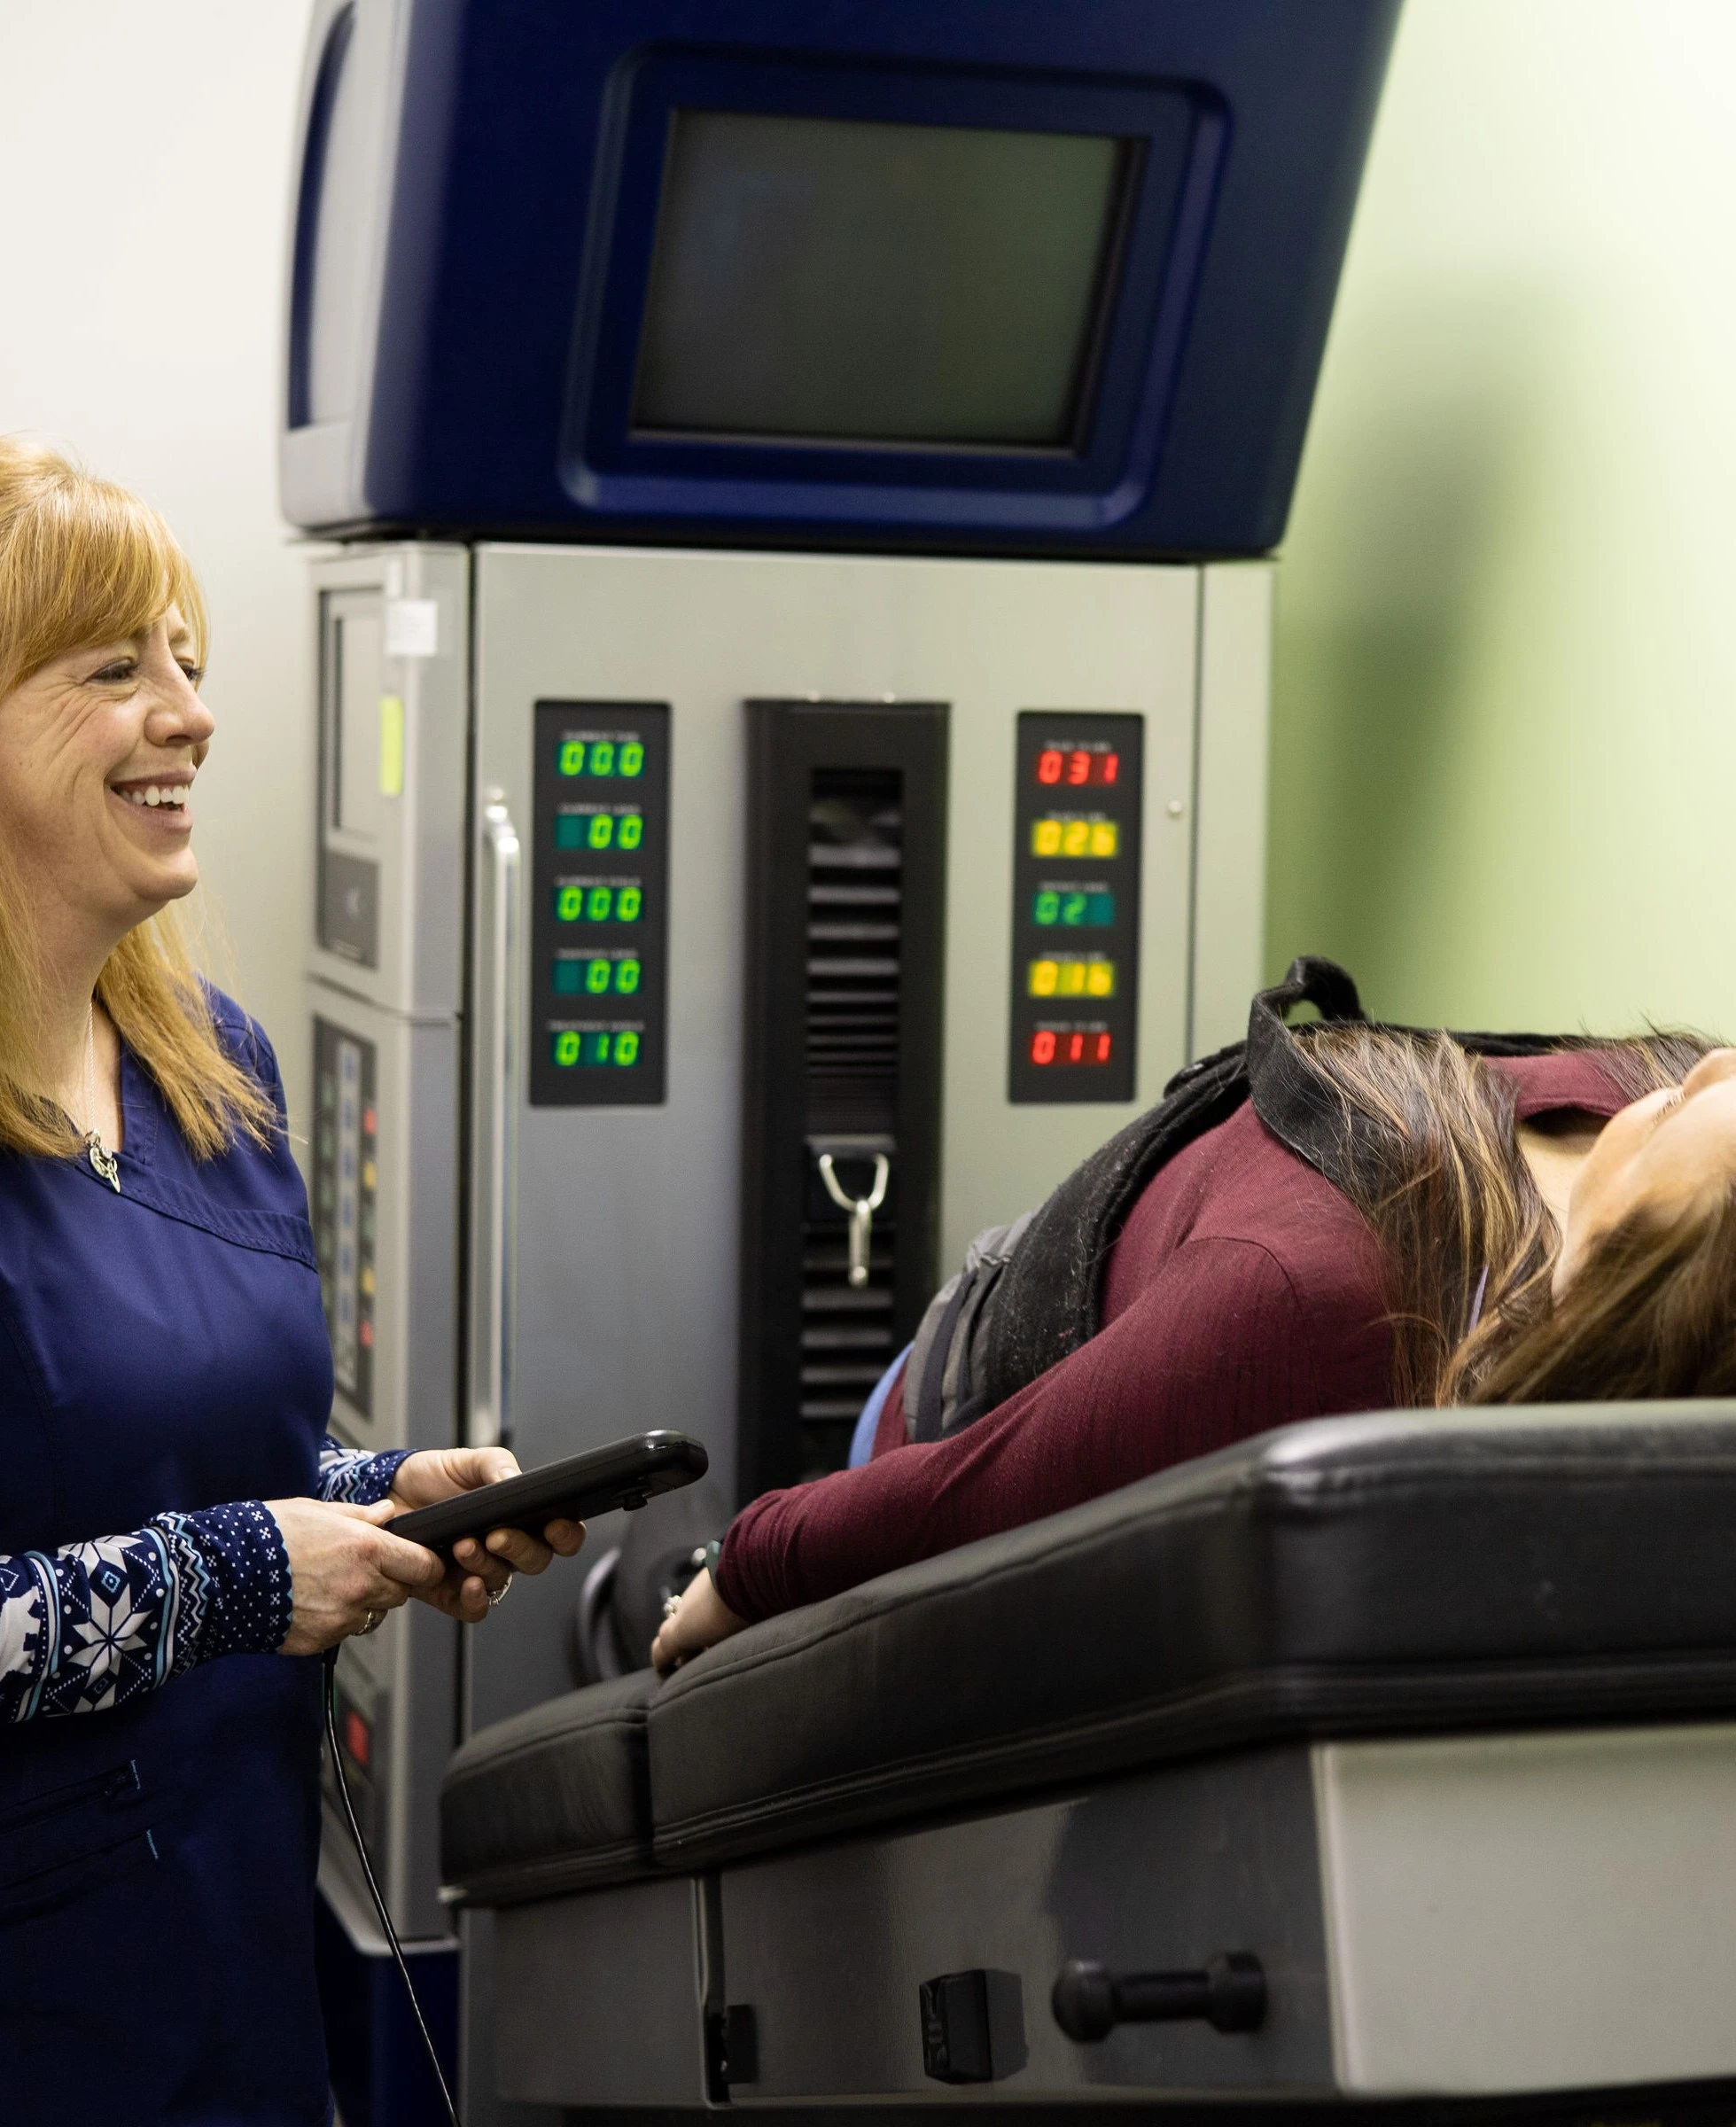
x=599 y=921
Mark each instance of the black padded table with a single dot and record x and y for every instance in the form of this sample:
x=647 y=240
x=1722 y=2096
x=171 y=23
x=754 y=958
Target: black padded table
x=1276 y=1654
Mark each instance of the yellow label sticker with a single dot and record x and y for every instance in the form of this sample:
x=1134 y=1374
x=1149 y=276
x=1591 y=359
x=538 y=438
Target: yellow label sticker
x=392 y=745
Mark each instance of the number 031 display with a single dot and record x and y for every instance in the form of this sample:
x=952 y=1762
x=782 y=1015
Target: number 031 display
x=600 y=879
x=1076 y=899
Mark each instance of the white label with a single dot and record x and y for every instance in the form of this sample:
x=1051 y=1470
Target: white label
x=412 y=628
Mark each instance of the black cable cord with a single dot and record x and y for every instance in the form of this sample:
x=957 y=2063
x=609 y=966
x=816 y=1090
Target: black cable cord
x=329 y=1659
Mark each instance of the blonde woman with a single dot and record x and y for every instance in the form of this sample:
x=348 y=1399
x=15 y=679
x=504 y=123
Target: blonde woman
x=173 y=1520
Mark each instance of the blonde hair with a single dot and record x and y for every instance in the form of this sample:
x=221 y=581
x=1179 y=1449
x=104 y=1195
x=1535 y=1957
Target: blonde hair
x=83 y=561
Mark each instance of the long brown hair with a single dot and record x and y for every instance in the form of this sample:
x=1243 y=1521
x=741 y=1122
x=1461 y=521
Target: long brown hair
x=1467 y=1244
x=83 y=561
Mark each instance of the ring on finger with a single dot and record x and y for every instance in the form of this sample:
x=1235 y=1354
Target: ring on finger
x=374 y=1619
x=497 y=1595
x=671 y=1604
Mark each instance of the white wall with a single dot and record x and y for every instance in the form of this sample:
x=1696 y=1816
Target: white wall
x=144 y=159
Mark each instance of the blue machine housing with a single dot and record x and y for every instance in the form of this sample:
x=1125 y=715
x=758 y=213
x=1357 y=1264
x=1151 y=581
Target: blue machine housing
x=498 y=328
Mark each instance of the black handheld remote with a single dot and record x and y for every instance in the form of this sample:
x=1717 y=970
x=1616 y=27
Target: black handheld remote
x=625 y=1473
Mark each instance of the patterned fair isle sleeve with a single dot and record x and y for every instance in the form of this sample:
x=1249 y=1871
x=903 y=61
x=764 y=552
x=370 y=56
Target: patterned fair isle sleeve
x=93 y=1625
x=348 y=1476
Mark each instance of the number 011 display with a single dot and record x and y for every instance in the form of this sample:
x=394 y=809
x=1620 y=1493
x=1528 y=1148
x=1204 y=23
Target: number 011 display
x=1074 y=1011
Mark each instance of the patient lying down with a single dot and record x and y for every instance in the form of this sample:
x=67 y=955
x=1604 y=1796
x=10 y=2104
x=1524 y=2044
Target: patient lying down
x=1556 y=1228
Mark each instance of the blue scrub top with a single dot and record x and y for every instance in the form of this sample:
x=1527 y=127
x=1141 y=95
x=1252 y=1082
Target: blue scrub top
x=162 y=1349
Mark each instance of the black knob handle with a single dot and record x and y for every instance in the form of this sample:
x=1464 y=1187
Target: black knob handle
x=1229 y=1994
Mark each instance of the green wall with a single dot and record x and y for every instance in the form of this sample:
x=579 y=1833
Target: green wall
x=1504 y=743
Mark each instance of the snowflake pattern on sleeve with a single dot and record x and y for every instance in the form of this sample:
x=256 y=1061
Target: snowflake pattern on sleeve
x=93 y=1625
x=349 y=1475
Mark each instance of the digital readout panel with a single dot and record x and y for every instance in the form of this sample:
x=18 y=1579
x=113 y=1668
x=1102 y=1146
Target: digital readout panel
x=346 y=1188
x=600 y=895
x=1076 y=904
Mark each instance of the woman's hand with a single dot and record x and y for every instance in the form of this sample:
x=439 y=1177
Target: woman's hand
x=701 y=1619
x=479 y=1570
x=345 y=1568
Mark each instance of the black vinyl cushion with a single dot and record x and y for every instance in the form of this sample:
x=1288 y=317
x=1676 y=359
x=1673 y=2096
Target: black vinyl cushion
x=1353 y=1576
x=556 y=1799
x=1392 y=1572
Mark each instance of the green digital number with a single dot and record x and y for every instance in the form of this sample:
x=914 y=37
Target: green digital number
x=627 y=907
x=573 y=757
x=632 y=830
x=627 y=977
x=601 y=831
x=1047 y=908
x=566 y=1049
x=597 y=1048
x=1072 y=908
x=569 y=904
x=597 y=904
x=627 y=1048
x=633 y=758
x=603 y=756
x=596 y=976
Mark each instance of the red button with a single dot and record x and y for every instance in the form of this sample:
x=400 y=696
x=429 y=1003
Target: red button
x=357 y=1740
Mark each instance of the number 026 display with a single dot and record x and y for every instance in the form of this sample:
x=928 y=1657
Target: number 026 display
x=1075 y=898
x=599 y=923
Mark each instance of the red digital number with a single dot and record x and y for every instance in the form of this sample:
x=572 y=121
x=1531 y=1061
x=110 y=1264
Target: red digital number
x=1110 y=764
x=1048 y=766
x=1048 y=1046
x=1079 y=768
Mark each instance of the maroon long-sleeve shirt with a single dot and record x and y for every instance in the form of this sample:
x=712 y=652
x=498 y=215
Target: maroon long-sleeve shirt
x=1244 y=1292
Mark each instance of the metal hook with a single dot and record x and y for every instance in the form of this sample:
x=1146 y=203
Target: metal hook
x=861 y=1210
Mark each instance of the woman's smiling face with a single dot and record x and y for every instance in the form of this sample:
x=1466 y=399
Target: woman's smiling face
x=1659 y=1158
x=97 y=754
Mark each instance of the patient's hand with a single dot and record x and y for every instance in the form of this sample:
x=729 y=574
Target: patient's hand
x=700 y=1621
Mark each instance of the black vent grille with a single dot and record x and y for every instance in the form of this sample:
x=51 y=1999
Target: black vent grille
x=846 y=897
x=855 y=907
x=855 y=904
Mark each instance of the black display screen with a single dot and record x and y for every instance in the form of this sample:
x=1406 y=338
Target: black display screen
x=1076 y=907
x=599 y=919
x=855 y=280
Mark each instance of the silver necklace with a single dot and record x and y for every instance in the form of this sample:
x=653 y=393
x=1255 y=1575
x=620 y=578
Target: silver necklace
x=103 y=1161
